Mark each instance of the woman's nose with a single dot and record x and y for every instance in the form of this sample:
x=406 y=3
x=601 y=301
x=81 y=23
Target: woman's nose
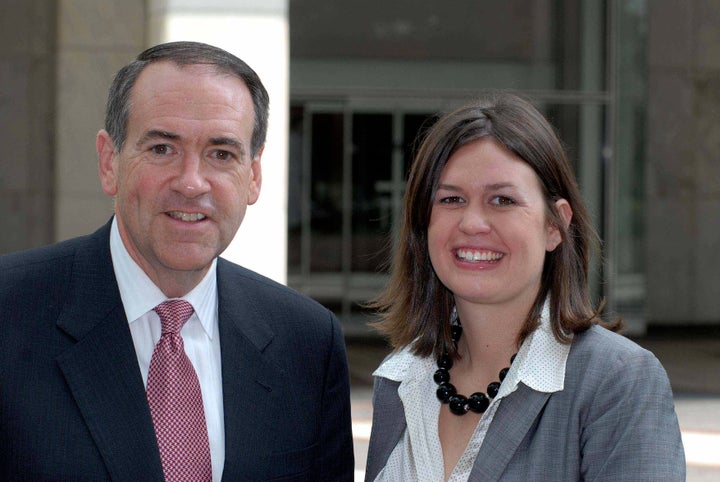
x=474 y=221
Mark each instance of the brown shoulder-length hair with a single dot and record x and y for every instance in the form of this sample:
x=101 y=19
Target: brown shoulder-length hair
x=415 y=307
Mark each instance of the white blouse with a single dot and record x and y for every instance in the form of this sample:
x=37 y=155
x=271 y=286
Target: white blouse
x=418 y=455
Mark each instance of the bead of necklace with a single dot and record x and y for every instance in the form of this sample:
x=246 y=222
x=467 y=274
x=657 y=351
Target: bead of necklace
x=446 y=392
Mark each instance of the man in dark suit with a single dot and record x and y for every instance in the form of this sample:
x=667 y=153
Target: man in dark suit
x=80 y=320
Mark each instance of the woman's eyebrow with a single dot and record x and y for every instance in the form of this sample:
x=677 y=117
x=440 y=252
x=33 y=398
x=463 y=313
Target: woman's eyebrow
x=488 y=187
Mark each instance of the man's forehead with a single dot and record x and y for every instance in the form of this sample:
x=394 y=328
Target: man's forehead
x=167 y=84
x=157 y=76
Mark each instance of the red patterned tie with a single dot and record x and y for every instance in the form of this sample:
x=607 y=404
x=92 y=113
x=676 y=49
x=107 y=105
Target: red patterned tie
x=176 y=406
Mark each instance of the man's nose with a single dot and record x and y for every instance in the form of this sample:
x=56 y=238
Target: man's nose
x=191 y=180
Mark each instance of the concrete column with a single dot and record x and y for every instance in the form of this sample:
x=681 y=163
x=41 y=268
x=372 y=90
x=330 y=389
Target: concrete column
x=683 y=163
x=95 y=39
x=257 y=32
x=27 y=98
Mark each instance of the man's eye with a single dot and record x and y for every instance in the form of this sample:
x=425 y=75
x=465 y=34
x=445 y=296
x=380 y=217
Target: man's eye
x=160 y=149
x=222 y=155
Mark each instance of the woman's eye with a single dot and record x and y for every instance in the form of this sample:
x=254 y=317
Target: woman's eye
x=502 y=201
x=451 y=200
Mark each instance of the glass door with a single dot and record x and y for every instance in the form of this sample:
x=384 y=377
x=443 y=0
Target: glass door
x=347 y=177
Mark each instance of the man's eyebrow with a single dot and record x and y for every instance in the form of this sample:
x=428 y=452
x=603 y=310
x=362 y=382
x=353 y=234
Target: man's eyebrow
x=228 y=141
x=156 y=134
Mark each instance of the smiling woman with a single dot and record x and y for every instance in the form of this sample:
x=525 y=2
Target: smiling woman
x=500 y=151
x=488 y=232
x=489 y=289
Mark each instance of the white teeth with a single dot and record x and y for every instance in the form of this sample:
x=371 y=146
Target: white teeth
x=189 y=217
x=468 y=255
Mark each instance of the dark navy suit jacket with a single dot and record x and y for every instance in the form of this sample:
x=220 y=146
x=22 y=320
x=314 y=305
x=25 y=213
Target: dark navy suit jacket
x=72 y=400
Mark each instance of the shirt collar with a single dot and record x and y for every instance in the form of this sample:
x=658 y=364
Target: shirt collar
x=140 y=295
x=548 y=375
x=540 y=363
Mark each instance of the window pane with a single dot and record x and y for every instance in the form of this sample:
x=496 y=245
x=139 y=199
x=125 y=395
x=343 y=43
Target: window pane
x=372 y=189
x=326 y=193
x=295 y=201
x=415 y=127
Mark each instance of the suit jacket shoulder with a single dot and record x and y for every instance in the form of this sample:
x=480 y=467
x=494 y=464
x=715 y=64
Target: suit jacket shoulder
x=284 y=364
x=28 y=275
x=71 y=387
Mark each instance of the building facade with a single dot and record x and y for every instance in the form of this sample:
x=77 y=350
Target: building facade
x=629 y=84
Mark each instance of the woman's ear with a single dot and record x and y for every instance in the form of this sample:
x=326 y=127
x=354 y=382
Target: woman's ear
x=564 y=214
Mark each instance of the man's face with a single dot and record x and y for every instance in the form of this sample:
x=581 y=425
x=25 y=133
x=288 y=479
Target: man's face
x=184 y=177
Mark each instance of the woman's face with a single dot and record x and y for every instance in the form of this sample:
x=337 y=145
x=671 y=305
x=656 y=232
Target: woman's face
x=488 y=231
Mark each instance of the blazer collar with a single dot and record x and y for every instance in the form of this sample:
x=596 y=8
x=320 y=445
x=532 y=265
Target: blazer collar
x=237 y=307
x=100 y=368
x=512 y=422
x=388 y=425
x=93 y=292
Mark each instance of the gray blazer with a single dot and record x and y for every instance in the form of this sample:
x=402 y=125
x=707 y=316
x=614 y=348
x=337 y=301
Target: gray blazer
x=614 y=420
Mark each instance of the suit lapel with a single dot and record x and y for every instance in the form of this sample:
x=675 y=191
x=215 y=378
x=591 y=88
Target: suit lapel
x=513 y=420
x=388 y=425
x=511 y=423
x=250 y=381
x=101 y=367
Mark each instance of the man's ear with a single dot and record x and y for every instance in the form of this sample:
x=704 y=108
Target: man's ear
x=107 y=163
x=564 y=212
x=256 y=179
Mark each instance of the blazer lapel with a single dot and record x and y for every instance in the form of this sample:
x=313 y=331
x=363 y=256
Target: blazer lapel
x=513 y=420
x=250 y=395
x=388 y=425
x=101 y=367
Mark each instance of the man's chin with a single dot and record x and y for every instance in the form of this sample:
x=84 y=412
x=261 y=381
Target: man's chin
x=189 y=259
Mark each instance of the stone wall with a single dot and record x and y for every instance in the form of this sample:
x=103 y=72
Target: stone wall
x=683 y=163
x=27 y=137
x=95 y=39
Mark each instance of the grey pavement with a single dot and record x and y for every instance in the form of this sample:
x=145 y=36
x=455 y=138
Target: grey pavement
x=692 y=360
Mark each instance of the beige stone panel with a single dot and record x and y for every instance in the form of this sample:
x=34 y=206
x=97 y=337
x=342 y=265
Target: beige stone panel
x=26 y=26
x=671 y=259
x=84 y=79
x=671 y=33
x=96 y=38
x=101 y=24
x=19 y=210
x=706 y=34
x=707 y=136
x=82 y=214
x=707 y=261
x=15 y=120
x=670 y=153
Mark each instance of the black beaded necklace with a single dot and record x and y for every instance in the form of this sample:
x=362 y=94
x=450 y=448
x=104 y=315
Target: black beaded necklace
x=446 y=392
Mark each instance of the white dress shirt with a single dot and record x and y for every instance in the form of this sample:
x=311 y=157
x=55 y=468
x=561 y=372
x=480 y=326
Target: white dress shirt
x=539 y=364
x=200 y=335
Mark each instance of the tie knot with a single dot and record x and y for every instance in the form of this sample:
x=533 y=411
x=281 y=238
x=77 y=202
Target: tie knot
x=173 y=315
